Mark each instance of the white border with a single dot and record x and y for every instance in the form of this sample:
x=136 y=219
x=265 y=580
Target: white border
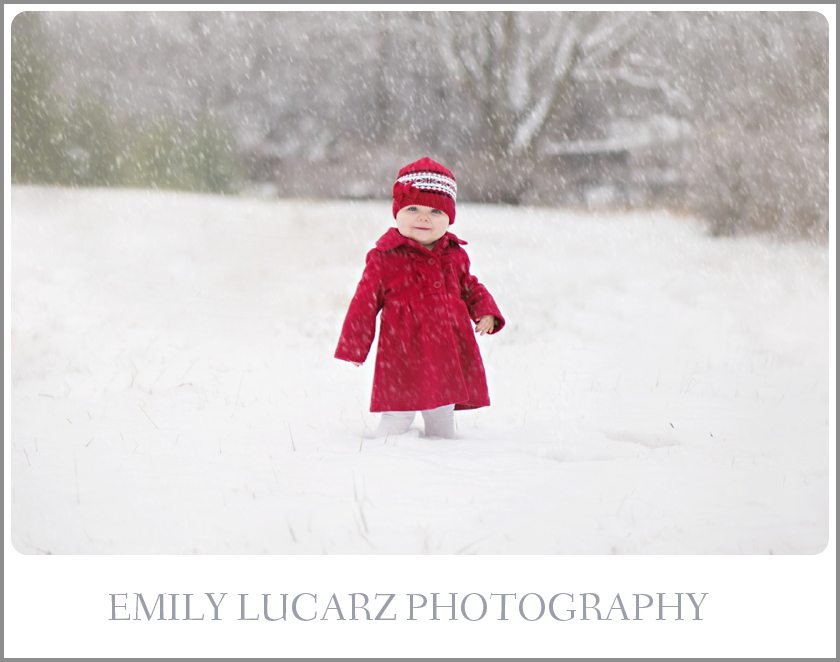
x=758 y=606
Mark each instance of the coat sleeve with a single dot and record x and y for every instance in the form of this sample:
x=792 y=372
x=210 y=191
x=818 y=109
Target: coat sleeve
x=478 y=299
x=359 y=326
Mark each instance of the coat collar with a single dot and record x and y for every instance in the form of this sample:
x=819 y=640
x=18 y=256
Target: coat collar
x=392 y=239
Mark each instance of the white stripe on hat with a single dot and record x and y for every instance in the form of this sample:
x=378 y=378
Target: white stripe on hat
x=431 y=181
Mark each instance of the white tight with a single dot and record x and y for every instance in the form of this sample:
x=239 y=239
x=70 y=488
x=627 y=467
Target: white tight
x=440 y=422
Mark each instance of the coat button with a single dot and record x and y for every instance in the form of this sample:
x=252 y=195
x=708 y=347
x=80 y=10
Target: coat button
x=432 y=260
x=437 y=283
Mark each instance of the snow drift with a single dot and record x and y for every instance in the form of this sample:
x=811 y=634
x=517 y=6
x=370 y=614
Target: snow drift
x=656 y=391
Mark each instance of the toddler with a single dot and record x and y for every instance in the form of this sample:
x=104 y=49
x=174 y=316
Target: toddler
x=418 y=275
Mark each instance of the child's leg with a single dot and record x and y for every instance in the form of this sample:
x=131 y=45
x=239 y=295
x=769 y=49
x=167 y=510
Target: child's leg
x=394 y=422
x=440 y=422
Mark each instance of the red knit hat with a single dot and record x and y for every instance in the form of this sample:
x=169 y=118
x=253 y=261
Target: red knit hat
x=427 y=183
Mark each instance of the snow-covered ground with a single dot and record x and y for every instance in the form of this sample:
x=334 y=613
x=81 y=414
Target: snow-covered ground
x=174 y=391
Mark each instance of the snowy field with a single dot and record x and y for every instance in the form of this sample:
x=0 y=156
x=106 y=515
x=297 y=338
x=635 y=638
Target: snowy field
x=655 y=391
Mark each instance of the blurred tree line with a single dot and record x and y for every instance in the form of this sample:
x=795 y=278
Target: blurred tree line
x=721 y=114
x=79 y=140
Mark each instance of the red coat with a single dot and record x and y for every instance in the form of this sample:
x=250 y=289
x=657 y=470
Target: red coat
x=427 y=354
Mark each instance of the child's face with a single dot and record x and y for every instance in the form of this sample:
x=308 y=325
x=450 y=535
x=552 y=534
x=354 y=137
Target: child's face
x=423 y=224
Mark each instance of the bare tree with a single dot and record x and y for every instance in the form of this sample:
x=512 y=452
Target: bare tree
x=518 y=71
x=756 y=90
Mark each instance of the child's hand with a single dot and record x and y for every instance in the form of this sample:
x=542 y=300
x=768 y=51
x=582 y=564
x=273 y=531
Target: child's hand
x=485 y=324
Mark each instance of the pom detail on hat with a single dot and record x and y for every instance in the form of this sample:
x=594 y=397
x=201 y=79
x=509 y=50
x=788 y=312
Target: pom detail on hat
x=426 y=182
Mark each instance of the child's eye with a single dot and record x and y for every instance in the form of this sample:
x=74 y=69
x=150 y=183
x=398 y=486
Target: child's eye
x=436 y=211
x=412 y=209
